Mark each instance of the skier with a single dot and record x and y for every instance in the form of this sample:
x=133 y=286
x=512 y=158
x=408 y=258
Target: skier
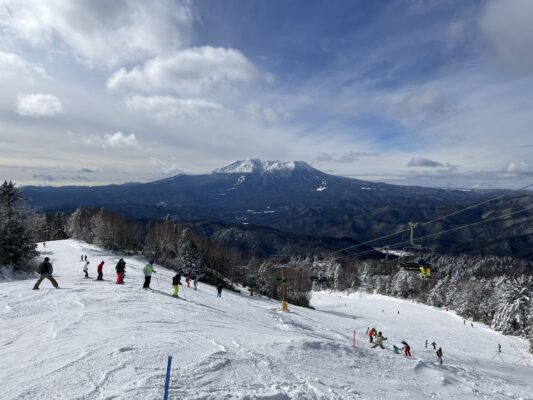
x=472 y=324
x=434 y=345
x=44 y=244
x=426 y=344
x=439 y=355
x=195 y=282
x=148 y=269
x=371 y=333
x=499 y=348
x=396 y=349
x=45 y=270
x=378 y=341
x=81 y=259
x=121 y=269
x=85 y=257
x=406 y=349
x=176 y=282
x=100 y=270
x=86 y=269
x=188 y=280
x=219 y=288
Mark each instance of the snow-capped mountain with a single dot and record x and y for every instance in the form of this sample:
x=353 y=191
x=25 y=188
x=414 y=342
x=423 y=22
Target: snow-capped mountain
x=296 y=198
x=253 y=165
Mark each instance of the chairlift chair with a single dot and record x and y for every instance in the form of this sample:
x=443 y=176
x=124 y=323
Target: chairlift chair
x=415 y=256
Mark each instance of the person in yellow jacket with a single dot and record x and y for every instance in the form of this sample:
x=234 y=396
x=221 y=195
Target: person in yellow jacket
x=148 y=270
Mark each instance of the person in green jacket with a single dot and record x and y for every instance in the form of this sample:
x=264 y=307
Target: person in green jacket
x=148 y=269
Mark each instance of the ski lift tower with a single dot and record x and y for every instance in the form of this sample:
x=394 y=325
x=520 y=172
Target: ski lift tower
x=284 y=303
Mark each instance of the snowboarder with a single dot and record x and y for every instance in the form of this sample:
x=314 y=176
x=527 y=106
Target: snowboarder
x=86 y=269
x=378 y=341
x=434 y=345
x=195 y=282
x=426 y=344
x=121 y=269
x=148 y=269
x=396 y=349
x=100 y=270
x=406 y=349
x=439 y=355
x=188 y=280
x=176 y=282
x=45 y=270
x=219 y=288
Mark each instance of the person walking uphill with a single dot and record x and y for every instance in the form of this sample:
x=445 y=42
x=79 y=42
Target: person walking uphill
x=120 y=268
x=45 y=270
x=100 y=270
x=148 y=269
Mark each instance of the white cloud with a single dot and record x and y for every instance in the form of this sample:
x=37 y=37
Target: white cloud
x=426 y=163
x=188 y=72
x=39 y=105
x=101 y=33
x=115 y=140
x=508 y=26
x=165 y=107
x=12 y=65
x=519 y=168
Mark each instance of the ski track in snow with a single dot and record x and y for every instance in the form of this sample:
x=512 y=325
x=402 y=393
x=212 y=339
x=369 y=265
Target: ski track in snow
x=98 y=340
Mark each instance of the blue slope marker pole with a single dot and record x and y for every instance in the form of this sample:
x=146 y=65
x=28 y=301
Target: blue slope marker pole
x=167 y=380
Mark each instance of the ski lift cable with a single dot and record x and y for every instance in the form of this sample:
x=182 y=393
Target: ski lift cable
x=431 y=221
x=443 y=232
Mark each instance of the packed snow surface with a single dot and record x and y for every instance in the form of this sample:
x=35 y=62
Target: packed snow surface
x=99 y=340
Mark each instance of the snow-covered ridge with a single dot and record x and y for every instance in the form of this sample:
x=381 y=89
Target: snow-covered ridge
x=254 y=165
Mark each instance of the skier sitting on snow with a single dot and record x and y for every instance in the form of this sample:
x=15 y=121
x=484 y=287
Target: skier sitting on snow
x=406 y=349
x=45 y=270
x=176 y=282
x=86 y=269
x=396 y=349
x=378 y=341
x=148 y=269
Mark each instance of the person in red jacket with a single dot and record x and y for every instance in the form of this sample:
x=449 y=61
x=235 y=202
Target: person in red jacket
x=188 y=280
x=100 y=270
x=406 y=349
x=371 y=333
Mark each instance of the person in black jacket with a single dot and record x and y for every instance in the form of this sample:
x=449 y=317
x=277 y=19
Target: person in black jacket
x=121 y=269
x=45 y=270
x=176 y=282
x=219 y=288
x=439 y=355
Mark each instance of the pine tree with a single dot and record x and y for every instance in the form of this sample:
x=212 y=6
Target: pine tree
x=16 y=233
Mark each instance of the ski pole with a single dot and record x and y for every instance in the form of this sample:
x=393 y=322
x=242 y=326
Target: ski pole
x=157 y=279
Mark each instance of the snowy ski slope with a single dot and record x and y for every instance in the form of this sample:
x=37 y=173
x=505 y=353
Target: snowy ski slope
x=98 y=340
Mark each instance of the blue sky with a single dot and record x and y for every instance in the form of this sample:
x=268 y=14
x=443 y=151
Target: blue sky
x=433 y=93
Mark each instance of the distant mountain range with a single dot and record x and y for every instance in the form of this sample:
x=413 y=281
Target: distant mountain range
x=298 y=199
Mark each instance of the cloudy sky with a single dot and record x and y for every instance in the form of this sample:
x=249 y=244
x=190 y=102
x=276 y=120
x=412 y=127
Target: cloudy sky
x=435 y=93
